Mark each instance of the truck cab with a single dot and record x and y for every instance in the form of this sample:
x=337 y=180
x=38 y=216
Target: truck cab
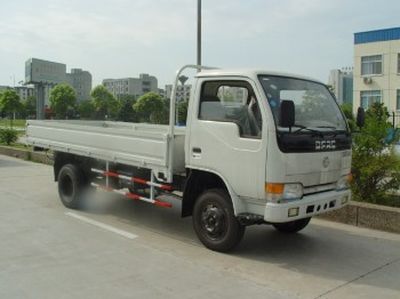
x=279 y=142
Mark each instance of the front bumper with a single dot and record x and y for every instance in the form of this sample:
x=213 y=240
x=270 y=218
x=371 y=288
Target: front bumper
x=308 y=206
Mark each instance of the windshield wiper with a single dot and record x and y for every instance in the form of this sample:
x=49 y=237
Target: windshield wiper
x=327 y=127
x=334 y=131
x=304 y=128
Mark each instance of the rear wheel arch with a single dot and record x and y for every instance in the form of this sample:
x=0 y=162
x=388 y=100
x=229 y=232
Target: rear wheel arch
x=61 y=159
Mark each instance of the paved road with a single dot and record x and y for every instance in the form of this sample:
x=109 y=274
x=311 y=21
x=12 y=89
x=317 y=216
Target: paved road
x=123 y=249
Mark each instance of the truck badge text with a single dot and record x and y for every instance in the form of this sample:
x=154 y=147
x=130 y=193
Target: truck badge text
x=325 y=145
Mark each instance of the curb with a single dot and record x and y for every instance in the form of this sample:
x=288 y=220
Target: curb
x=26 y=154
x=367 y=215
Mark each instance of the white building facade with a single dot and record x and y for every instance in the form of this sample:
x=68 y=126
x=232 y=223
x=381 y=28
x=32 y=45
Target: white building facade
x=24 y=92
x=341 y=82
x=81 y=81
x=377 y=69
x=132 y=86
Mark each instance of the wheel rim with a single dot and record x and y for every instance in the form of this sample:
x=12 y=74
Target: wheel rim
x=213 y=222
x=67 y=187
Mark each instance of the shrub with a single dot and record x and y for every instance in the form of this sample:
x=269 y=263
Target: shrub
x=376 y=168
x=8 y=136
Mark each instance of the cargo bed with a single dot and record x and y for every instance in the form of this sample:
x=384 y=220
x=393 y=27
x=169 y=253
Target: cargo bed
x=141 y=145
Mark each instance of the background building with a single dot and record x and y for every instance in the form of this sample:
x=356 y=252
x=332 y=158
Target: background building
x=161 y=92
x=182 y=92
x=81 y=81
x=44 y=75
x=23 y=91
x=377 y=68
x=132 y=86
x=341 y=82
x=44 y=71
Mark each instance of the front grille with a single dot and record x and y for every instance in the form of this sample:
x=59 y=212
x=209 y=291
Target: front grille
x=319 y=188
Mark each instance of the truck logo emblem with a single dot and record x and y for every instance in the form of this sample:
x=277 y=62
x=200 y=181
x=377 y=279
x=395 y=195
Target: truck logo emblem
x=325 y=162
x=325 y=145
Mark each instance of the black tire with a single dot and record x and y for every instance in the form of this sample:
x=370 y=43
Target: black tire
x=292 y=226
x=72 y=186
x=214 y=221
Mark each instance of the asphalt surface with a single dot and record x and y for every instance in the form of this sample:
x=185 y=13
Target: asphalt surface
x=116 y=248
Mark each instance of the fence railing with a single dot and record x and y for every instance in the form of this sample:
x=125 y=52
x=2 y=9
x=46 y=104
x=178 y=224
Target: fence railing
x=395 y=119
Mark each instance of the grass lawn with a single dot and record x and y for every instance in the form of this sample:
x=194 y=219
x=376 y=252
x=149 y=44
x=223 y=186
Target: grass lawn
x=16 y=122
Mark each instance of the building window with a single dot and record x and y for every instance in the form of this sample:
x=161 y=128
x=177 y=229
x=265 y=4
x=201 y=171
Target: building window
x=369 y=97
x=371 y=65
x=398 y=100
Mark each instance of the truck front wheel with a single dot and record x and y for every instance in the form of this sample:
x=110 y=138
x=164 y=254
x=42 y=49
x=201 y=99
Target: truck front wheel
x=292 y=226
x=214 y=221
x=71 y=186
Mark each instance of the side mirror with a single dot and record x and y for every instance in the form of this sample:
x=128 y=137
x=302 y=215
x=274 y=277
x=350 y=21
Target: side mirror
x=360 y=117
x=287 y=114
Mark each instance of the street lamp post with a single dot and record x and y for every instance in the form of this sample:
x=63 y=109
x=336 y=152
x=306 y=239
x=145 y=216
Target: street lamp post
x=198 y=33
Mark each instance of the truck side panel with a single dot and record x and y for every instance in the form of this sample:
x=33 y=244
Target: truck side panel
x=131 y=144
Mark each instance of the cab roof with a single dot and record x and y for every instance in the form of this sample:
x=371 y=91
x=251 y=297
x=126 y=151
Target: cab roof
x=249 y=73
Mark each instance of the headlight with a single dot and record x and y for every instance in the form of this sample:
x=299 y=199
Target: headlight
x=278 y=193
x=344 y=182
x=292 y=191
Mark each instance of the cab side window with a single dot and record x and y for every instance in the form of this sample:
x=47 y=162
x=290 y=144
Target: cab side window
x=231 y=101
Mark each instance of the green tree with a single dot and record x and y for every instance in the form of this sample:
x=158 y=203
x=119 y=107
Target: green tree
x=30 y=107
x=86 y=109
x=182 y=112
x=106 y=105
x=126 y=112
x=150 y=107
x=10 y=103
x=376 y=168
x=62 y=100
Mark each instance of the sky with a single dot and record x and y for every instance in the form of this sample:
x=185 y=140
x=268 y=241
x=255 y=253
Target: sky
x=122 y=38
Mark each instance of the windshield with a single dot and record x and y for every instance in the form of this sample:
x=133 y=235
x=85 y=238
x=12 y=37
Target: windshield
x=315 y=108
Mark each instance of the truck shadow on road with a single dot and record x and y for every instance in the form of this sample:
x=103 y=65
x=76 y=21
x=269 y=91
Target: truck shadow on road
x=320 y=250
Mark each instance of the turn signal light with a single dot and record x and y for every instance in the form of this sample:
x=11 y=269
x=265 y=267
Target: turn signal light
x=274 y=188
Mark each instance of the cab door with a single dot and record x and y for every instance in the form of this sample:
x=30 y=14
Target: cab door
x=226 y=134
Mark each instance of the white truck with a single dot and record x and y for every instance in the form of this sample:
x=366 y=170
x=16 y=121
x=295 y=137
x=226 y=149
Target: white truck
x=259 y=147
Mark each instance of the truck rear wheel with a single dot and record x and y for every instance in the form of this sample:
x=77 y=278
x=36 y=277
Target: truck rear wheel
x=292 y=226
x=71 y=186
x=214 y=221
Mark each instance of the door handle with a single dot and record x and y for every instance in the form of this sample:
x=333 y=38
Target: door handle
x=196 y=150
